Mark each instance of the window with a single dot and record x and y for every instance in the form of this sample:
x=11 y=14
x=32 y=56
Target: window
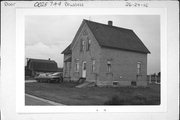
x=108 y=66
x=88 y=44
x=85 y=32
x=93 y=65
x=115 y=83
x=77 y=65
x=82 y=45
x=133 y=83
x=139 y=68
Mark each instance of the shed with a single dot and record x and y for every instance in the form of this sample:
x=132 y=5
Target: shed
x=41 y=65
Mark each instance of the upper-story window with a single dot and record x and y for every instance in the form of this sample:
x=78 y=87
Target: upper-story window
x=82 y=45
x=93 y=65
x=88 y=43
x=85 y=32
x=139 y=68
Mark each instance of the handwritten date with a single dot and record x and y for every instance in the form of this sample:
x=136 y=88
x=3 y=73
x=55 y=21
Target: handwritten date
x=132 y=4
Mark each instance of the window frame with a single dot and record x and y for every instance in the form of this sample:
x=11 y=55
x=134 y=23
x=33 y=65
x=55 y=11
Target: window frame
x=88 y=44
x=109 y=66
x=115 y=83
x=139 y=66
x=77 y=65
x=83 y=45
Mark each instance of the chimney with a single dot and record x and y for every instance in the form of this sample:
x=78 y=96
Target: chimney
x=110 y=23
x=49 y=59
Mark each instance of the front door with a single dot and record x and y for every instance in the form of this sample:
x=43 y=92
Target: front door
x=84 y=69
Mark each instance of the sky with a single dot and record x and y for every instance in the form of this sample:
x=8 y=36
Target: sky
x=47 y=36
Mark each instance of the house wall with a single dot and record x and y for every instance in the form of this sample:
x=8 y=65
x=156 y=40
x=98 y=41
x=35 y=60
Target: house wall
x=123 y=63
x=123 y=67
x=88 y=56
x=66 y=66
x=66 y=56
x=66 y=71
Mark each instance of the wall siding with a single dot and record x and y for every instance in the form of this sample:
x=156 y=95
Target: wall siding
x=123 y=63
x=66 y=68
x=123 y=67
x=88 y=56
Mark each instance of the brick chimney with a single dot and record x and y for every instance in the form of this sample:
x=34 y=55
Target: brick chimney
x=110 y=23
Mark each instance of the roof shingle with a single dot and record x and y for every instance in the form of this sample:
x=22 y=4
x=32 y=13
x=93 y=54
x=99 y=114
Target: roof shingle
x=116 y=37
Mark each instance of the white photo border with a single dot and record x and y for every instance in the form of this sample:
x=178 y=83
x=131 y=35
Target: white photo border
x=20 y=53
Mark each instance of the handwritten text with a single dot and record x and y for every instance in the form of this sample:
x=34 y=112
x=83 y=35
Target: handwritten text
x=136 y=4
x=9 y=4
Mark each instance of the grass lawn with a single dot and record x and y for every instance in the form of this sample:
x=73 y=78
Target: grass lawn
x=67 y=94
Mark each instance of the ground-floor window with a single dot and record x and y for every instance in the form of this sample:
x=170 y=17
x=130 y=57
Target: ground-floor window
x=77 y=65
x=138 y=68
x=133 y=83
x=115 y=83
x=108 y=66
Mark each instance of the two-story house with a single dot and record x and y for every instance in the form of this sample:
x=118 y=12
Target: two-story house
x=106 y=55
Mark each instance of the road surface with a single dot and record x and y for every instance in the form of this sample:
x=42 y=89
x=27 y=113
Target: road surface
x=32 y=100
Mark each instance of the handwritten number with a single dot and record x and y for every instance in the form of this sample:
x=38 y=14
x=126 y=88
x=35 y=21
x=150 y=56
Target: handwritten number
x=132 y=4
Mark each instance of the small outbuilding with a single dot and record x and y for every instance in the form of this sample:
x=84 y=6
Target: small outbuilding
x=41 y=65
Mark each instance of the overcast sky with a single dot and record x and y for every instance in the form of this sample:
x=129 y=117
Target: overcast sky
x=47 y=36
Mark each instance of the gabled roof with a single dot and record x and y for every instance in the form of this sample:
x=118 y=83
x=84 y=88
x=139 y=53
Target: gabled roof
x=112 y=37
x=116 y=37
x=42 y=65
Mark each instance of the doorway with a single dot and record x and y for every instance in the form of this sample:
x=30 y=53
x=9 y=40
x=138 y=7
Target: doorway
x=84 y=69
